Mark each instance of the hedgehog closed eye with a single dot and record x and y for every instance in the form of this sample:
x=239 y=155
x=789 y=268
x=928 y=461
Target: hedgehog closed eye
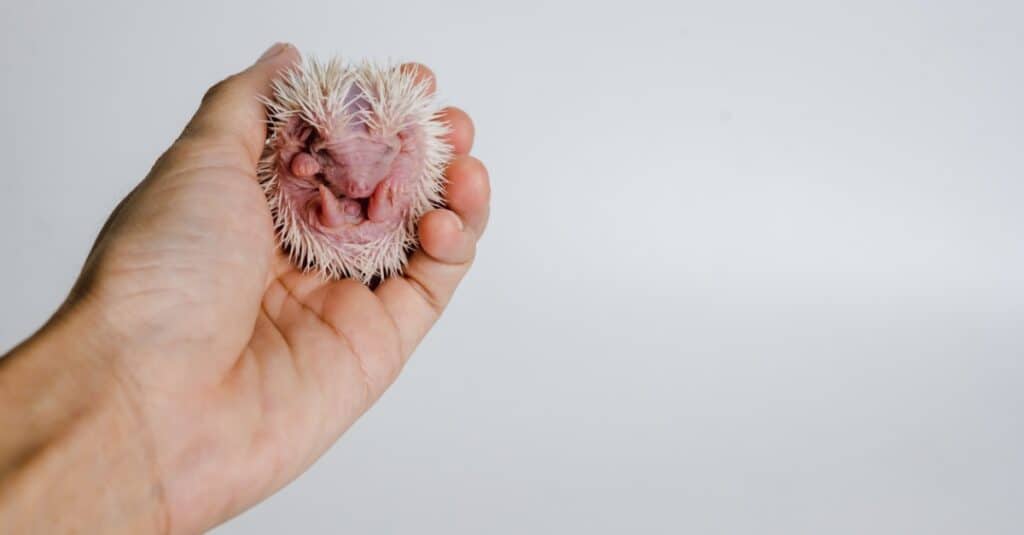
x=353 y=159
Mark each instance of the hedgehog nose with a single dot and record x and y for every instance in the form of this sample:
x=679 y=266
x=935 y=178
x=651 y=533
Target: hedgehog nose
x=359 y=189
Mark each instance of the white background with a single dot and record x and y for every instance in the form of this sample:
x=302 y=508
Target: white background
x=753 y=267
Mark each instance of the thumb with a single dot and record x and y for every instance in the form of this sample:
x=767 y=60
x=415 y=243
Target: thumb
x=231 y=112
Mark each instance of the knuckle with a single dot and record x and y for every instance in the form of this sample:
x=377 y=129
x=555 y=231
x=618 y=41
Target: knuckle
x=217 y=89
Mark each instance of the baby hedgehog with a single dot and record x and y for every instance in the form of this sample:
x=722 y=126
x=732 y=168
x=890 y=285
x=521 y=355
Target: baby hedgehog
x=354 y=157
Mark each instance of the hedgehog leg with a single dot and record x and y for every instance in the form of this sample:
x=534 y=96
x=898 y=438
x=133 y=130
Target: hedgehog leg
x=337 y=213
x=304 y=165
x=384 y=204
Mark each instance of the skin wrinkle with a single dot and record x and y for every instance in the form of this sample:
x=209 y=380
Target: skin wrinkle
x=206 y=152
x=148 y=446
x=193 y=297
x=392 y=366
x=275 y=330
x=198 y=132
x=159 y=309
x=366 y=380
x=169 y=182
x=172 y=184
x=424 y=293
x=292 y=347
x=205 y=146
x=199 y=235
x=263 y=429
x=305 y=288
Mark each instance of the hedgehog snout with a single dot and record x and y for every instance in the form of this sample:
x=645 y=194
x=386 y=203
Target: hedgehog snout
x=358 y=177
x=362 y=163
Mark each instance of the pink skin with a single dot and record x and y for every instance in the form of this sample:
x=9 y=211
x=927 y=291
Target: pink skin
x=352 y=184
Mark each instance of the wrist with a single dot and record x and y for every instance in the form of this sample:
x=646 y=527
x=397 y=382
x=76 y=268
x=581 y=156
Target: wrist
x=72 y=450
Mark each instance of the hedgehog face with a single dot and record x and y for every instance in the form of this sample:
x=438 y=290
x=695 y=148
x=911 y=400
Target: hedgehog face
x=353 y=160
x=351 y=184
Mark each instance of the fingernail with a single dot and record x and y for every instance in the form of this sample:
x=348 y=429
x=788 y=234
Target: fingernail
x=274 y=50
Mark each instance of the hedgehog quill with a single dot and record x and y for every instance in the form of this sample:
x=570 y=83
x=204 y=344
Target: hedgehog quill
x=354 y=157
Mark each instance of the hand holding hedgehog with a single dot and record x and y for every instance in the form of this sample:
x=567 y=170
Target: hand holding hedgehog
x=197 y=365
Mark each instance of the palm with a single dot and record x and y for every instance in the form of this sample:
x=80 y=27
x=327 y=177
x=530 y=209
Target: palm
x=341 y=345
x=291 y=360
x=319 y=356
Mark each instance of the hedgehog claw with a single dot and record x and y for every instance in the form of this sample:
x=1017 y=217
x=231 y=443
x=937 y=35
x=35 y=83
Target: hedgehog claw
x=381 y=206
x=331 y=213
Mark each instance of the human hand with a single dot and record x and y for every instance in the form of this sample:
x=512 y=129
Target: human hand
x=210 y=369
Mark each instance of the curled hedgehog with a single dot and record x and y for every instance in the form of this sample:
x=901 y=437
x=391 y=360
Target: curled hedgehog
x=354 y=157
